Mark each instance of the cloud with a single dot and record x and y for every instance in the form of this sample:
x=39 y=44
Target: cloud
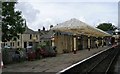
x=28 y=11
x=119 y=14
x=39 y=14
x=46 y=22
x=68 y=0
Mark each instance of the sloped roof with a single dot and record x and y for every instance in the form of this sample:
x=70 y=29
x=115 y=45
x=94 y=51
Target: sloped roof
x=29 y=31
x=47 y=36
x=110 y=32
x=73 y=23
x=78 y=27
x=51 y=33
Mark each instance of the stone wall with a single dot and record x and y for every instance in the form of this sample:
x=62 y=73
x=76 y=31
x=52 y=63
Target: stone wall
x=8 y=56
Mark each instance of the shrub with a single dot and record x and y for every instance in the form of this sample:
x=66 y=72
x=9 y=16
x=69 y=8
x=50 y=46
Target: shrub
x=5 y=55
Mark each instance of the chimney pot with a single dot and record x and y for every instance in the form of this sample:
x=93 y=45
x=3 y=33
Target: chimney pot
x=38 y=30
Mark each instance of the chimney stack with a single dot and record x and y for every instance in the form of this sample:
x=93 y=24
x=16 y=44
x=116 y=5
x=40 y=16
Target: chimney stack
x=51 y=26
x=38 y=30
x=43 y=28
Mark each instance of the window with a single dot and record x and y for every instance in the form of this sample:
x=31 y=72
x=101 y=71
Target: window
x=18 y=43
x=4 y=44
x=25 y=44
x=13 y=43
x=18 y=37
x=14 y=38
x=30 y=36
x=36 y=36
x=30 y=43
x=118 y=32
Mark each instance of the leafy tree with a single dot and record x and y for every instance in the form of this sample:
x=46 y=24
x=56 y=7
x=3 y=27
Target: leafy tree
x=106 y=26
x=12 y=21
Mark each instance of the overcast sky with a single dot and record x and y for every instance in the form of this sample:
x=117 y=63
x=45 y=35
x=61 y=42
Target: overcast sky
x=39 y=13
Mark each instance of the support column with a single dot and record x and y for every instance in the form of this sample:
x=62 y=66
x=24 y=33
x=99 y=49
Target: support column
x=53 y=42
x=66 y=42
x=74 y=44
x=89 y=43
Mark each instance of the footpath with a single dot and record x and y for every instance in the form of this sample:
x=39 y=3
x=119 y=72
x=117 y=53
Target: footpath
x=52 y=64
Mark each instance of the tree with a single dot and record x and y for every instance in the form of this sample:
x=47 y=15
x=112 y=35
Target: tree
x=106 y=27
x=12 y=21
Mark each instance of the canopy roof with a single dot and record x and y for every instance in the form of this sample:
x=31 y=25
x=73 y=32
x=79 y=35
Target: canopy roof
x=77 y=27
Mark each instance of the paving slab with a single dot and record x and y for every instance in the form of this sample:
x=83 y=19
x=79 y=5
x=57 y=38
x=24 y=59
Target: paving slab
x=52 y=64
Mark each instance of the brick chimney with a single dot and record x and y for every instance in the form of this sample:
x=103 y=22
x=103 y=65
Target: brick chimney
x=38 y=30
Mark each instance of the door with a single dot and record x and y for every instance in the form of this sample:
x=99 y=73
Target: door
x=25 y=44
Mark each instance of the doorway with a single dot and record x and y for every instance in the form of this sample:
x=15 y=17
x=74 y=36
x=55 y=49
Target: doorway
x=25 y=44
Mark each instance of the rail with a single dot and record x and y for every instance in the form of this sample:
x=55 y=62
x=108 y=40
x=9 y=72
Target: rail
x=92 y=63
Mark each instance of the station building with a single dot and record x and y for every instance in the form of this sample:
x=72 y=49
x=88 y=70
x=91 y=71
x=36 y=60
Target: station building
x=73 y=35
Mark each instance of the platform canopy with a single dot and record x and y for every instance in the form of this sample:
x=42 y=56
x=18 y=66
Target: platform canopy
x=78 y=27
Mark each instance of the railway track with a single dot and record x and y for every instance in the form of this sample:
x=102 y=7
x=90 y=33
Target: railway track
x=104 y=64
x=98 y=63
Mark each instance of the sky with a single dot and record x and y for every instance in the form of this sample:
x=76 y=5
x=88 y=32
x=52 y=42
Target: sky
x=119 y=14
x=39 y=13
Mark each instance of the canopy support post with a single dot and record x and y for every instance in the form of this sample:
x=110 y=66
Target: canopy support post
x=75 y=44
x=89 y=43
x=53 y=41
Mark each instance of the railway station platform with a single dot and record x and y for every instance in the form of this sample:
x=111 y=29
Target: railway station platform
x=53 y=64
